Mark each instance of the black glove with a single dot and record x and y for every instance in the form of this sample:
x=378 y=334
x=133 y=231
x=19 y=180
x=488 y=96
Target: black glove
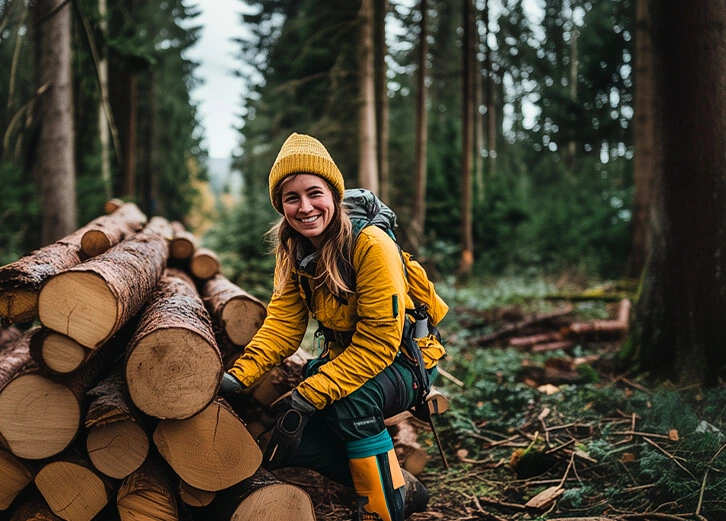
x=292 y=414
x=230 y=386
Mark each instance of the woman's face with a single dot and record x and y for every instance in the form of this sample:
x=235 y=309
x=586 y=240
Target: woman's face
x=308 y=205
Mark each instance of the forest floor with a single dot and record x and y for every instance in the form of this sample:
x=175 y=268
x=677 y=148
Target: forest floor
x=535 y=433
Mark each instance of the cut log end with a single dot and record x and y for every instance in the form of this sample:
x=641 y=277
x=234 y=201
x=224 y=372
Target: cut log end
x=242 y=318
x=14 y=476
x=181 y=248
x=62 y=354
x=204 y=264
x=117 y=448
x=38 y=418
x=211 y=450
x=95 y=242
x=173 y=373
x=277 y=501
x=193 y=496
x=19 y=305
x=86 y=298
x=73 y=492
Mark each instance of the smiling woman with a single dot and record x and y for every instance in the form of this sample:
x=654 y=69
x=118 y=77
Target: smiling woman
x=355 y=286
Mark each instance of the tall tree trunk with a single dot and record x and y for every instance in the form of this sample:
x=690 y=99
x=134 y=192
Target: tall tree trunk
x=54 y=165
x=103 y=128
x=467 y=239
x=129 y=113
x=381 y=86
x=644 y=167
x=419 y=200
x=490 y=100
x=678 y=332
x=571 y=145
x=367 y=150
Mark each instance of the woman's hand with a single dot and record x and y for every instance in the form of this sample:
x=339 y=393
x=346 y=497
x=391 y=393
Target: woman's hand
x=230 y=386
x=292 y=414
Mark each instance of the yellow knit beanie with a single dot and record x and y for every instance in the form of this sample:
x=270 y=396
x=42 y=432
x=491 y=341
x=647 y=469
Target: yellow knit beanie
x=301 y=154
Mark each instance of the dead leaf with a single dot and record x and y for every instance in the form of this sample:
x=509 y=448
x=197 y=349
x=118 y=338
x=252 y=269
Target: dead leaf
x=545 y=499
x=548 y=389
x=462 y=454
x=628 y=392
x=673 y=435
x=627 y=457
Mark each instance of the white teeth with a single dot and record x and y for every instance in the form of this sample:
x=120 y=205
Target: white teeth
x=310 y=219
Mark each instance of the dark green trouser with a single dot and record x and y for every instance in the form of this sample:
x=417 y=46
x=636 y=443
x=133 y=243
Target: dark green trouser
x=357 y=416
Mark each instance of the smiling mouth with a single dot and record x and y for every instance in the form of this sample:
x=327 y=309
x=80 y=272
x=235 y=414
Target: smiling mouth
x=310 y=219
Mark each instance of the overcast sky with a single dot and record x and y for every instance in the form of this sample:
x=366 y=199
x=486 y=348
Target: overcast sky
x=219 y=96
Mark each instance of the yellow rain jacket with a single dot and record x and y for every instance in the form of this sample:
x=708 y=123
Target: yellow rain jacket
x=375 y=313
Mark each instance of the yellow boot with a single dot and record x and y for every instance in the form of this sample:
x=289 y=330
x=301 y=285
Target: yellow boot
x=377 y=479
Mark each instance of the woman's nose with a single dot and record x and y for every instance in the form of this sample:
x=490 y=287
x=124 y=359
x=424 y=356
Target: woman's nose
x=305 y=205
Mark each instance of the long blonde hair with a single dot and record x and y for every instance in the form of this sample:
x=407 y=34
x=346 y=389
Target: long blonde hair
x=334 y=267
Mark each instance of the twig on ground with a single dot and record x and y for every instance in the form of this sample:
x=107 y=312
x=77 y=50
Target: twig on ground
x=705 y=477
x=670 y=456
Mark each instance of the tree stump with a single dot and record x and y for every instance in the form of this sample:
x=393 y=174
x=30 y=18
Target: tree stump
x=204 y=264
x=90 y=302
x=116 y=440
x=173 y=366
x=263 y=497
x=15 y=475
x=109 y=230
x=147 y=494
x=211 y=450
x=237 y=312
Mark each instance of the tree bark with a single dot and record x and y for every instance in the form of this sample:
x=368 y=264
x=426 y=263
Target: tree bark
x=54 y=165
x=204 y=264
x=678 y=332
x=381 y=88
x=147 y=494
x=211 y=450
x=263 y=497
x=92 y=301
x=644 y=136
x=111 y=229
x=418 y=218
x=35 y=509
x=367 y=147
x=9 y=335
x=467 y=239
x=237 y=312
x=15 y=475
x=116 y=440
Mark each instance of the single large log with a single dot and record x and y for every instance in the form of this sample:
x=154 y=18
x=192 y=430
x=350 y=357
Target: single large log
x=173 y=366
x=40 y=414
x=35 y=509
x=15 y=475
x=57 y=353
x=109 y=230
x=147 y=494
x=116 y=439
x=204 y=264
x=183 y=244
x=90 y=302
x=237 y=312
x=211 y=450
x=72 y=489
x=263 y=497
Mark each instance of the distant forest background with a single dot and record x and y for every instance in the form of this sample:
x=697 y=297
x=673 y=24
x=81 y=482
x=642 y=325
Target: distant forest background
x=550 y=151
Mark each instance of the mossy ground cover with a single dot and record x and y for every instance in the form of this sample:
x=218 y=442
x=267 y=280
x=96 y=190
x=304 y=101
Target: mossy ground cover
x=610 y=444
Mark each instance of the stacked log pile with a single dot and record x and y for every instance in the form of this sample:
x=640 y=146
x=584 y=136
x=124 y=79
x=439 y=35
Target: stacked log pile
x=108 y=389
